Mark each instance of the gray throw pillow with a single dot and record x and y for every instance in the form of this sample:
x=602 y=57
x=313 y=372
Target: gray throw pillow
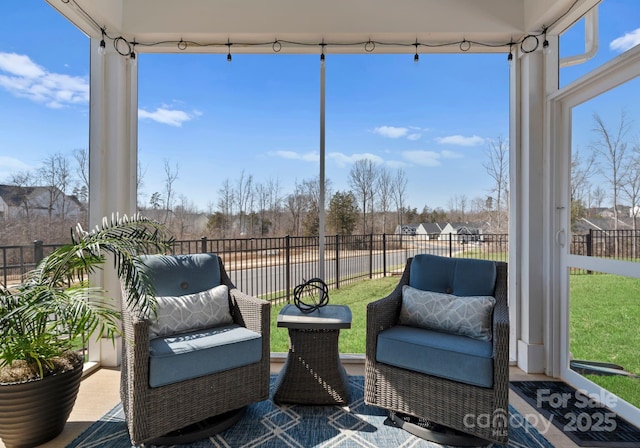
x=468 y=316
x=180 y=314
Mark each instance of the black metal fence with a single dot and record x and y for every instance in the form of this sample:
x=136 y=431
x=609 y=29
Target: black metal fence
x=617 y=244
x=272 y=267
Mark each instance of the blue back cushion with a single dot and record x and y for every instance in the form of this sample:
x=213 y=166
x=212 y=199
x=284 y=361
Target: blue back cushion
x=459 y=276
x=177 y=275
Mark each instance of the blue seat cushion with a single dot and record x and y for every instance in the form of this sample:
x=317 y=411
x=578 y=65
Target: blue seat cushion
x=197 y=353
x=177 y=275
x=459 y=276
x=458 y=358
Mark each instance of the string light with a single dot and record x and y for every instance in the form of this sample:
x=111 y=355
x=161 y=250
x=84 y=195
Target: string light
x=545 y=44
x=322 y=52
x=102 y=48
x=527 y=43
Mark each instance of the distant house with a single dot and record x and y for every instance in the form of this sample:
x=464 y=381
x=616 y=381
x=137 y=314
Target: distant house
x=468 y=233
x=584 y=225
x=18 y=202
x=436 y=230
x=406 y=229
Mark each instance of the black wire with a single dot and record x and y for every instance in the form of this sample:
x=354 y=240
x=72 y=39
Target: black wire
x=367 y=44
x=307 y=288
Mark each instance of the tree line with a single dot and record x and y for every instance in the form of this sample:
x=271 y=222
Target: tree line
x=374 y=202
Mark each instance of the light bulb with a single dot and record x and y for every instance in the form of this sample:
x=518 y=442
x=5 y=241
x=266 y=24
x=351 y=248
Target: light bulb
x=102 y=48
x=545 y=47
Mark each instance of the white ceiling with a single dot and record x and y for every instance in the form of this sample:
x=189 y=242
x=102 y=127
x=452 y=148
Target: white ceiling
x=433 y=22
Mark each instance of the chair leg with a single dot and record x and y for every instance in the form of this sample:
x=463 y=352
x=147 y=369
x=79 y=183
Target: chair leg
x=433 y=432
x=201 y=430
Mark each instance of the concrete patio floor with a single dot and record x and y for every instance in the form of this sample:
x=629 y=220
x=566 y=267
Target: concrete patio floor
x=99 y=392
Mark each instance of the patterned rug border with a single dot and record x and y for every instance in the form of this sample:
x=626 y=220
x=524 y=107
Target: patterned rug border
x=303 y=426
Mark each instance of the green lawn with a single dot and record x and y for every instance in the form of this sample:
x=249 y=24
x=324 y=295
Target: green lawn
x=356 y=296
x=605 y=319
x=605 y=324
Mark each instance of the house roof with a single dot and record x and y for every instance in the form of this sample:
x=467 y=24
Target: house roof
x=14 y=195
x=300 y=26
x=583 y=225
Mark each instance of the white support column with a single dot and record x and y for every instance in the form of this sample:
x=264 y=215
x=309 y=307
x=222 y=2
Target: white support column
x=113 y=137
x=528 y=211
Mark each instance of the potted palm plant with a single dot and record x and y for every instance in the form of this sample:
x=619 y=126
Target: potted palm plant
x=43 y=317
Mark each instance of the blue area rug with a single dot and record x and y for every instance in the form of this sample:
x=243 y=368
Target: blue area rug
x=267 y=425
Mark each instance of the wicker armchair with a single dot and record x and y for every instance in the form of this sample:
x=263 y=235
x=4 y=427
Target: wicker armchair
x=453 y=404
x=159 y=414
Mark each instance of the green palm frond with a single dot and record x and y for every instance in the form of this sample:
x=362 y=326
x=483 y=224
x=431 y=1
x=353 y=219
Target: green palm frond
x=55 y=304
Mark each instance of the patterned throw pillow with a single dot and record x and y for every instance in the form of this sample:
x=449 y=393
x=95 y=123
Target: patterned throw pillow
x=468 y=316
x=191 y=312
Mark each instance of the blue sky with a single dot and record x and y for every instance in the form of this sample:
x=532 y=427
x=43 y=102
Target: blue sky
x=259 y=113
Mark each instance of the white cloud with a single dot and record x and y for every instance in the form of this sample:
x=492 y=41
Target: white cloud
x=26 y=79
x=450 y=155
x=390 y=131
x=343 y=159
x=11 y=165
x=292 y=155
x=461 y=140
x=395 y=164
x=626 y=42
x=414 y=137
x=166 y=116
x=422 y=158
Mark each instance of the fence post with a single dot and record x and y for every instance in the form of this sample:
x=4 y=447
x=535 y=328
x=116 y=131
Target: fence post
x=337 y=261
x=38 y=251
x=287 y=264
x=203 y=244
x=371 y=255
x=450 y=245
x=590 y=246
x=384 y=254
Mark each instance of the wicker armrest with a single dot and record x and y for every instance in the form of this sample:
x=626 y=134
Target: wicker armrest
x=383 y=314
x=250 y=312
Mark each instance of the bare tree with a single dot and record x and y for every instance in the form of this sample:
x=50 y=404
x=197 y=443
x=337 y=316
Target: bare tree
x=141 y=173
x=497 y=167
x=171 y=175
x=274 y=202
x=24 y=180
x=55 y=176
x=311 y=189
x=598 y=194
x=362 y=178
x=399 y=189
x=611 y=146
x=384 y=185
x=225 y=206
x=631 y=189
x=243 y=198
x=81 y=156
x=581 y=172
x=295 y=204
x=262 y=196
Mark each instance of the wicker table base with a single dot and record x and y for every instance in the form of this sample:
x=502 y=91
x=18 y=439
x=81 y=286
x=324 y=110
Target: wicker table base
x=312 y=373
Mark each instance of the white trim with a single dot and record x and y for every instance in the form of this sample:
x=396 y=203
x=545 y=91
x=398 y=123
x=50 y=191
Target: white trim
x=612 y=74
